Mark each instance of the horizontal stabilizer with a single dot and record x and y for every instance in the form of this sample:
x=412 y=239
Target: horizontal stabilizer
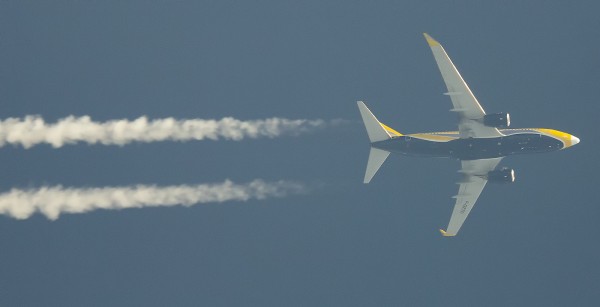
x=375 y=129
x=376 y=159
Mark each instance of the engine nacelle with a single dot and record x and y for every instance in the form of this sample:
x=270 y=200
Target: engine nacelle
x=498 y=120
x=503 y=175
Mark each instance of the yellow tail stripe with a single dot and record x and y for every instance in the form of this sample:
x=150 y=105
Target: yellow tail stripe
x=390 y=130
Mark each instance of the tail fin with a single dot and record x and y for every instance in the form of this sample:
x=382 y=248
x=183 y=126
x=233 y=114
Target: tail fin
x=377 y=132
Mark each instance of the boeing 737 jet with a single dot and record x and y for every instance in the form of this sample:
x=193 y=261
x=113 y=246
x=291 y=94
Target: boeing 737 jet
x=480 y=143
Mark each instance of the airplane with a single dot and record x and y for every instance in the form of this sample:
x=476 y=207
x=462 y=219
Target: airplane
x=480 y=143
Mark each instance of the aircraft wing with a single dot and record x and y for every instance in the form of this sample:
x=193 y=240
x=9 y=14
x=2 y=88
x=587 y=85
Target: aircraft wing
x=464 y=102
x=475 y=172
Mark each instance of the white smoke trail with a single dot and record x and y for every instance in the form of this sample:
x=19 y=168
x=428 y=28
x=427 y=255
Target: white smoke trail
x=32 y=130
x=54 y=201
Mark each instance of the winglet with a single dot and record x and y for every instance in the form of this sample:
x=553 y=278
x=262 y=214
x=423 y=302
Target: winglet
x=432 y=42
x=445 y=234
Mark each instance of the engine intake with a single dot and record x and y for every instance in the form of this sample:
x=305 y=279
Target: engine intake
x=498 y=120
x=504 y=175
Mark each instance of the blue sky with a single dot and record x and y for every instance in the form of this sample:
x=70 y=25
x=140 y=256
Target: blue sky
x=344 y=243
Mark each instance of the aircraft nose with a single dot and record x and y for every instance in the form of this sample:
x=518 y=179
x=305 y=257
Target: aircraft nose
x=574 y=140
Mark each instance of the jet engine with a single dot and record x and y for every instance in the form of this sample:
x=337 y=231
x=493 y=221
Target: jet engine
x=504 y=175
x=498 y=120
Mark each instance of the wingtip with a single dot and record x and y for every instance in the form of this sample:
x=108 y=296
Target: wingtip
x=432 y=42
x=445 y=234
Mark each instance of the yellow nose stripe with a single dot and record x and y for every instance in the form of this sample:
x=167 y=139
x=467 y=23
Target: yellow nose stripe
x=564 y=137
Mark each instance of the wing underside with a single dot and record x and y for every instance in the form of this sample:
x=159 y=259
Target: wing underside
x=475 y=177
x=464 y=102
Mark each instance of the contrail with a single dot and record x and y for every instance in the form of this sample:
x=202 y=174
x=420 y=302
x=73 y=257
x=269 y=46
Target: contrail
x=33 y=130
x=54 y=201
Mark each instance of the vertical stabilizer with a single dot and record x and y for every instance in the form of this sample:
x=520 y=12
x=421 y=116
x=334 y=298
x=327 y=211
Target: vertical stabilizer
x=376 y=159
x=375 y=130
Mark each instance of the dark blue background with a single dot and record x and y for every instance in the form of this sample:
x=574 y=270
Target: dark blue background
x=344 y=244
